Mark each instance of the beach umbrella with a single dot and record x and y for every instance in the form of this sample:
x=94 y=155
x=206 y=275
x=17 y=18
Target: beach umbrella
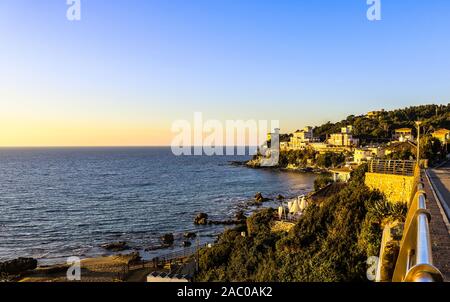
x=295 y=208
x=280 y=212
x=303 y=203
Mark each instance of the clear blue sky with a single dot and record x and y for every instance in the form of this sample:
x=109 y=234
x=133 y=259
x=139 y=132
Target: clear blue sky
x=140 y=64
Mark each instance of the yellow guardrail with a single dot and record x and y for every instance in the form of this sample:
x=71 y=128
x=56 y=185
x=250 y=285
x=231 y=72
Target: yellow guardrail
x=415 y=261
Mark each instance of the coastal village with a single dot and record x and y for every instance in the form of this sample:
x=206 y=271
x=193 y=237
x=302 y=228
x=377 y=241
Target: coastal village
x=350 y=147
x=392 y=170
x=395 y=169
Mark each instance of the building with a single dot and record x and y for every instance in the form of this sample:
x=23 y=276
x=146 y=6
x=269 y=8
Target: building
x=362 y=155
x=377 y=151
x=343 y=139
x=403 y=135
x=347 y=130
x=341 y=174
x=324 y=148
x=319 y=147
x=443 y=135
x=300 y=138
x=365 y=154
x=398 y=147
x=284 y=146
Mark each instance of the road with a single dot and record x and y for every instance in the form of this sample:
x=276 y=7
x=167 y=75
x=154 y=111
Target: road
x=440 y=178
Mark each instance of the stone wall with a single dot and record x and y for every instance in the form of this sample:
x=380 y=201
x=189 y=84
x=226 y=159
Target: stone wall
x=397 y=188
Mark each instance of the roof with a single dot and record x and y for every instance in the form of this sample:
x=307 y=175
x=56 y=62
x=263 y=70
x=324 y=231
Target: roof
x=343 y=170
x=442 y=131
x=400 y=145
x=403 y=130
x=169 y=275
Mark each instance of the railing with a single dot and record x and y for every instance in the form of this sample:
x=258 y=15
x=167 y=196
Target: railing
x=185 y=252
x=415 y=261
x=394 y=167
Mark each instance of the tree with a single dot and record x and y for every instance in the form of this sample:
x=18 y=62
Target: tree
x=431 y=149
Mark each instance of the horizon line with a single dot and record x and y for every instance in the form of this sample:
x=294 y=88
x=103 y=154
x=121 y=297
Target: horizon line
x=116 y=146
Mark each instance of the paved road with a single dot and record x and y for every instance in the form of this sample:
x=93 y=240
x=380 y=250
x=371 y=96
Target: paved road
x=440 y=235
x=441 y=180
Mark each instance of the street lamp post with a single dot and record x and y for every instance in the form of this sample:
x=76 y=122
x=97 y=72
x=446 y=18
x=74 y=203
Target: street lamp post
x=418 y=123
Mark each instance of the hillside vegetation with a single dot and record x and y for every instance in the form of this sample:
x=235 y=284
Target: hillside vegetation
x=330 y=242
x=381 y=128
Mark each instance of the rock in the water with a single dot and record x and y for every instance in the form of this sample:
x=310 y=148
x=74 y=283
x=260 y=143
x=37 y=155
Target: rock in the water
x=260 y=198
x=240 y=216
x=238 y=163
x=189 y=235
x=116 y=246
x=187 y=243
x=134 y=257
x=225 y=222
x=168 y=239
x=53 y=269
x=280 y=197
x=17 y=266
x=201 y=219
x=157 y=247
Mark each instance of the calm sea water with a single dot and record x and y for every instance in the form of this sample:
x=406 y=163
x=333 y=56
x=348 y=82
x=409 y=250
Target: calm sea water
x=56 y=203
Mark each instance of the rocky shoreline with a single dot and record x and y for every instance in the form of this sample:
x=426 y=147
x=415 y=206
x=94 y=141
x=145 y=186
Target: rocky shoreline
x=254 y=164
x=18 y=268
x=23 y=266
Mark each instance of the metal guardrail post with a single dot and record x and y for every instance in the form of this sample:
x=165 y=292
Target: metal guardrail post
x=415 y=261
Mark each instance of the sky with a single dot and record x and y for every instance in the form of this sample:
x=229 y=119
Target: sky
x=128 y=69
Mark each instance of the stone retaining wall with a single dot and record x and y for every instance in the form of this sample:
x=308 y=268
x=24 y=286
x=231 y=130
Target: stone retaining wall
x=397 y=188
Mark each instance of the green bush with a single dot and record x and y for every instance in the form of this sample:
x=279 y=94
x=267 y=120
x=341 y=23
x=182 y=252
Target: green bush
x=260 y=222
x=330 y=242
x=322 y=181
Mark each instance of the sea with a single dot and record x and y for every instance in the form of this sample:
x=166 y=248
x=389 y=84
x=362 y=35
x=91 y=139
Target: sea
x=57 y=203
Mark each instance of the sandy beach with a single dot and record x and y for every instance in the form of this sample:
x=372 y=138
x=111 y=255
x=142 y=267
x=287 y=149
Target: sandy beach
x=117 y=268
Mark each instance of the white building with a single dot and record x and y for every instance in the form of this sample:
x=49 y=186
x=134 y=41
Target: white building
x=362 y=155
x=301 y=138
x=403 y=135
x=343 y=139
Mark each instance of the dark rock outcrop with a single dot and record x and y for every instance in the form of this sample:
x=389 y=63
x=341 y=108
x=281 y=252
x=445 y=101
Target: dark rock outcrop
x=53 y=269
x=168 y=239
x=280 y=197
x=134 y=257
x=240 y=216
x=116 y=246
x=238 y=163
x=17 y=266
x=201 y=219
x=187 y=243
x=157 y=247
x=189 y=235
x=260 y=198
x=226 y=222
